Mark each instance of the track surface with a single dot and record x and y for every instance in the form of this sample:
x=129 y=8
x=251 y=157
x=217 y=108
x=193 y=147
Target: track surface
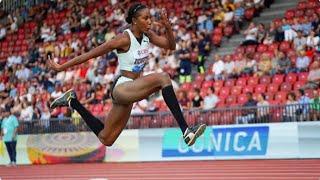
x=180 y=170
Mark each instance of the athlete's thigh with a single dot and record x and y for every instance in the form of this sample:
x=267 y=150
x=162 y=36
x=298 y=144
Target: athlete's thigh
x=133 y=91
x=116 y=120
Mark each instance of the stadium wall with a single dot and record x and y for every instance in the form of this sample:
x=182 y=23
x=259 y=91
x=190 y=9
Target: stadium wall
x=254 y=141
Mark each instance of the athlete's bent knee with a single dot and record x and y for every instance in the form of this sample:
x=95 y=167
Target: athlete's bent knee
x=165 y=78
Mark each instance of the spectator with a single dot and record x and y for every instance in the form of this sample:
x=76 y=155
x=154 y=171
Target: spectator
x=264 y=66
x=9 y=132
x=315 y=106
x=3 y=31
x=140 y=107
x=238 y=16
x=289 y=32
x=263 y=112
x=313 y=40
x=229 y=67
x=262 y=32
x=218 y=67
x=304 y=103
x=251 y=35
x=290 y=111
x=249 y=112
x=197 y=101
x=313 y=77
x=185 y=63
x=270 y=34
x=210 y=100
x=299 y=42
x=26 y=112
x=302 y=62
x=250 y=65
x=283 y=64
x=183 y=100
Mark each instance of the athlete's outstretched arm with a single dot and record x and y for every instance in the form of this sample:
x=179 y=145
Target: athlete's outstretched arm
x=119 y=42
x=167 y=42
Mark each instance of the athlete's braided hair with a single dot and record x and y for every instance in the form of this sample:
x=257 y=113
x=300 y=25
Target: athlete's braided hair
x=133 y=10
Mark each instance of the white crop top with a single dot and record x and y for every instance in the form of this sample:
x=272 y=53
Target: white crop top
x=137 y=56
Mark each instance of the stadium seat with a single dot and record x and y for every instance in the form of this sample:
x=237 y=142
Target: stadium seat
x=242 y=81
x=224 y=92
x=273 y=88
x=286 y=87
x=265 y=80
x=278 y=78
x=218 y=84
x=229 y=83
x=247 y=89
x=236 y=90
x=281 y=96
x=298 y=85
x=284 y=46
x=291 y=78
x=260 y=88
x=253 y=81
x=231 y=99
x=303 y=76
x=242 y=98
x=262 y=48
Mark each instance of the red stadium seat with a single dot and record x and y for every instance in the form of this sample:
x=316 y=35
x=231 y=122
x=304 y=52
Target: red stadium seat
x=218 y=84
x=253 y=81
x=303 y=76
x=273 y=88
x=262 y=48
x=229 y=83
x=289 y=14
x=251 y=49
x=286 y=87
x=278 y=78
x=273 y=46
x=216 y=40
x=291 y=78
x=186 y=86
x=301 y=5
x=247 y=89
x=299 y=13
x=207 y=84
x=265 y=80
x=281 y=96
x=298 y=85
x=284 y=46
x=242 y=81
x=260 y=88
x=240 y=50
x=224 y=92
x=231 y=99
x=269 y=96
x=236 y=90
x=242 y=98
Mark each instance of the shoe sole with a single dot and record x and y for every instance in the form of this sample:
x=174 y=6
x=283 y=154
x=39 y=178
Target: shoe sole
x=59 y=98
x=198 y=133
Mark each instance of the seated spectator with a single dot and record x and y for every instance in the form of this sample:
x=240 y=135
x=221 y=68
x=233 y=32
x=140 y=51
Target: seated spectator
x=249 y=112
x=304 y=103
x=299 y=41
x=315 y=106
x=290 y=111
x=283 y=64
x=264 y=66
x=251 y=35
x=218 y=67
x=239 y=66
x=26 y=112
x=250 y=65
x=197 y=101
x=313 y=40
x=262 y=33
x=229 y=67
x=210 y=100
x=302 y=62
x=289 y=32
x=313 y=77
x=263 y=112
x=183 y=100
x=3 y=31
x=238 y=16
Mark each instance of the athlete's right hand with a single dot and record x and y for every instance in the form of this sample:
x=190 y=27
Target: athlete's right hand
x=53 y=65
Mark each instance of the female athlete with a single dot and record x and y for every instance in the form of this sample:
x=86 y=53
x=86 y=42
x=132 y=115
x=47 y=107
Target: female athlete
x=132 y=47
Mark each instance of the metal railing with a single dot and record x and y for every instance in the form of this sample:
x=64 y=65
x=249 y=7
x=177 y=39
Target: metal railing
x=222 y=116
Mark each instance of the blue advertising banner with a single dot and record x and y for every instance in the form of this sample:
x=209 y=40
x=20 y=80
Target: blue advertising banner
x=218 y=141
